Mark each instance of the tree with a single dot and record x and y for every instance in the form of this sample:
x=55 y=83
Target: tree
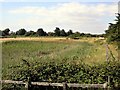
x=76 y=35
x=69 y=32
x=82 y=34
x=57 y=31
x=63 y=33
x=51 y=34
x=13 y=34
x=5 y=32
x=113 y=31
x=41 y=32
x=30 y=33
x=0 y=33
x=21 y=32
x=88 y=35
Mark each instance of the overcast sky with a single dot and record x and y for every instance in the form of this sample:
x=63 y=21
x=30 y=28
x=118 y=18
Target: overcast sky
x=88 y=16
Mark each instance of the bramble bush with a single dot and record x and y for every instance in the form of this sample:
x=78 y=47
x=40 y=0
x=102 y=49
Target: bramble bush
x=67 y=72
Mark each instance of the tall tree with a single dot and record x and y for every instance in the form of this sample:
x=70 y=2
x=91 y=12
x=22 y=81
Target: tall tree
x=113 y=32
x=63 y=33
x=21 y=32
x=5 y=32
x=69 y=32
x=57 y=31
x=1 y=33
x=41 y=32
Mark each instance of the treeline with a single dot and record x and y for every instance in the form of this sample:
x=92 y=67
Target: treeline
x=113 y=31
x=41 y=32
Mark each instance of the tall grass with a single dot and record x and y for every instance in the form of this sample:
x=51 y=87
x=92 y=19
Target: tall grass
x=69 y=52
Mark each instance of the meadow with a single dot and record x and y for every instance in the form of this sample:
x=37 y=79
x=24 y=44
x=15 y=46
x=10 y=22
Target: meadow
x=90 y=51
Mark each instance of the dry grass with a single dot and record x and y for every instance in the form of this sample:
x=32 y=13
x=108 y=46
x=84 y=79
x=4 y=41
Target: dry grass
x=32 y=39
x=90 y=40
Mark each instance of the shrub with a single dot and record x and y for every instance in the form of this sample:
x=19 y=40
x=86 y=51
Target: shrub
x=72 y=73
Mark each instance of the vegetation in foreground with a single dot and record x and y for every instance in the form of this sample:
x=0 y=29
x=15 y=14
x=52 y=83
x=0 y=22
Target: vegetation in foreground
x=67 y=72
x=65 y=51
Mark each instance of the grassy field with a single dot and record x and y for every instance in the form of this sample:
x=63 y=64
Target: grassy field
x=90 y=51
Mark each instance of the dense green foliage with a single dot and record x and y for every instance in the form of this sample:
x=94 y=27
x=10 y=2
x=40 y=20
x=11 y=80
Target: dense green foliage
x=30 y=33
x=113 y=32
x=70 y=72
x=21 y=32
x=5 y=32
x=41 y=32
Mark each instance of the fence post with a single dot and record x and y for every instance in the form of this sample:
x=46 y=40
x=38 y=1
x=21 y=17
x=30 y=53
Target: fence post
x=109 y=82
x=107 y=56
x=26 y=86
x=65 y=86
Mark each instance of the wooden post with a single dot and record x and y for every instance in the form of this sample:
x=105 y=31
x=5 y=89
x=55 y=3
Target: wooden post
x=107 y=57
x=108 y=81
x=14 y=86
x=65 y=86
x=26 y=86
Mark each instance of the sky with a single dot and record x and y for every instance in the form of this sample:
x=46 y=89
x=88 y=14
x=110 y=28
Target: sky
x=85 y=16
